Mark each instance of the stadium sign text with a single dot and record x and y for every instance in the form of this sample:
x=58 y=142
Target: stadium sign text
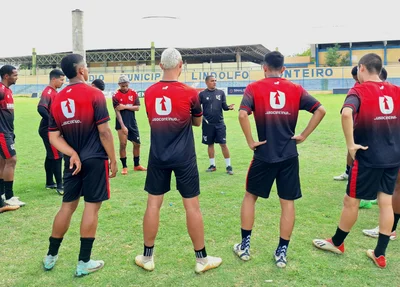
x=234 y=75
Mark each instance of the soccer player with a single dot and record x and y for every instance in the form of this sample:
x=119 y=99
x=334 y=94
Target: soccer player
x=276 y=103
x=98 y=83
x=79 y=129
x=126 y=102
x=8 y=159
x=53 y=160
x=172 y=108
x=373 y=142
x=213 y=101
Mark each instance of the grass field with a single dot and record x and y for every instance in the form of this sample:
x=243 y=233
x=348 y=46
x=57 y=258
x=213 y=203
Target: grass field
x=24 y=233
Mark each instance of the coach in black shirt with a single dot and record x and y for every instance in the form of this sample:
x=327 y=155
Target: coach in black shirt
x=214 y=129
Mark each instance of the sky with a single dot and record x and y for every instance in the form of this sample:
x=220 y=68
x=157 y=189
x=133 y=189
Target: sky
x=290 y=25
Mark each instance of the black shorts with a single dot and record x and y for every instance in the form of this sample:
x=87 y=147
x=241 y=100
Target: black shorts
x=7 y=148
x=214 y=133
x=91 y=182
x=158 y=180
x=133 y=133
x=365 y=182
x=261 y=176
x=51 y=151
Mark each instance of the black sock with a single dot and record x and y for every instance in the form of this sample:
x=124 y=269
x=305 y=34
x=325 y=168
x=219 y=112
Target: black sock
x=123 y=160
x=339 y=237
x=201 y=253
x=383 y=241
x=54 y=245
x=1 y=202
x=396 y=220
x=148 y=251
x=86 y=249
x=283 y=245
x=1 y=187
x=246 y=235
x=347 y=169
x=136 y=160
x=49 y=171
x=57 y=167
x=8 y=189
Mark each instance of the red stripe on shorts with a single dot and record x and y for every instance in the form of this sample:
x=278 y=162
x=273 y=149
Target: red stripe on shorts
x=107 y=178
x=4 y=147
x=53 y=149
x=353 y=180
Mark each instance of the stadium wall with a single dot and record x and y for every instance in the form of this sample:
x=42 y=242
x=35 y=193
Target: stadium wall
x=312 y=79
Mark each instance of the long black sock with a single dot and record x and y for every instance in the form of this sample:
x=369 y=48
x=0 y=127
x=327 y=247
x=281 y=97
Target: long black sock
x=1 y=187
x=86 y=249
x=246 y=235
x=57 y=167
x=54 y=245
x=148 y=251
x=339 y=237
x=283 y=245
x=123 y=160
x=383 y=241
x=8 y=189
x=1 y=202
x=49 y=172
x=136 y=160
x=396 y=220
x=201 y=253
x=347 y=169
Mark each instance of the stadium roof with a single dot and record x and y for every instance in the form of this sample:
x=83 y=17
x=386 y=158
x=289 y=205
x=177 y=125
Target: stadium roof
x=249 y=53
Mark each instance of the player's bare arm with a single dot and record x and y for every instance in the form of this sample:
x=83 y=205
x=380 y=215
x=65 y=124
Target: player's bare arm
x=196 y=121
x=245 y=124
x=347 y=126
x=132 y=108
x=60 y=144
x=121 y=122
x=316 y=118
x=107 y=141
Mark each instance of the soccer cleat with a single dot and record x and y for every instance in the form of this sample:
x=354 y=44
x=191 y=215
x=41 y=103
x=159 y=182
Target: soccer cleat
x=229 y=170
x=341 y=177
x=327 y=244
x=146 y=265
x=51 y=186
x=211 y=168
x=60 y=190
x=379 y=261
x=124 y=171
x=280 y=257
x=374 y=202
x=209 y=263
x=139 y=168
x=367 y=204
x=49 y=261
x=14 y=201
x=374 y=233
x=243 y=254
x=85 y=268
x=6 y=208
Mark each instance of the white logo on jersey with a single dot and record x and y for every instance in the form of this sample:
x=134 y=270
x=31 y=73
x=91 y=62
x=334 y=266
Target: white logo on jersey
x=218 y=97
x=381 y=87
x=49 y=92
x=68 y=108
x=130 y=98
x=205 y=138
x=164 y=88
x=386 y=105
x=277 y=100
x=69 y=90
x=163 y=106
x=276 y=83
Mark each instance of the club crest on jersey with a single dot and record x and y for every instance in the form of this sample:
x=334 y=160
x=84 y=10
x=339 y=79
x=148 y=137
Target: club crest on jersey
x=386 y=105
x=68 y=108
x=163 y=106
x=130 y=98
x=277 y=100
x=218 y=97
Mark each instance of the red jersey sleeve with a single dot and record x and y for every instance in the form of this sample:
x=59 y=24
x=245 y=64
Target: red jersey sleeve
x=308 y=102
x=100 y=108
x=247 y=103
x=195 y=106
x=115 y=100
x=45 y=99
x=52 y=123
x=136 y=97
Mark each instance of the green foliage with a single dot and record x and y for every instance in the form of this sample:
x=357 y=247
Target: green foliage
x=332 y=56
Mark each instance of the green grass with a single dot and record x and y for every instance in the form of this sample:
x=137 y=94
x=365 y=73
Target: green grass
x=24 y=233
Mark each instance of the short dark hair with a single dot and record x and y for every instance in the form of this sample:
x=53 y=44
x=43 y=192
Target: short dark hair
x=6 y=70
x=209 y=77
x=99 y=84
x=354 y=71
x=69 y=63
x=274 y=60
x=56 y=73
x=383 y=75
x=372 y=62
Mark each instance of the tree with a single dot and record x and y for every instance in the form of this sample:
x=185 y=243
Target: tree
x=332 y=56
x=304 y=53
x=345 y=60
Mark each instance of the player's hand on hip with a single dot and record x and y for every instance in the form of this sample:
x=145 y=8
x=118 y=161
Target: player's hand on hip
x=113 y=168
x=125 y=130
x=75 y=161
x=299 y=139
x=354 y=148
x=254 y=145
